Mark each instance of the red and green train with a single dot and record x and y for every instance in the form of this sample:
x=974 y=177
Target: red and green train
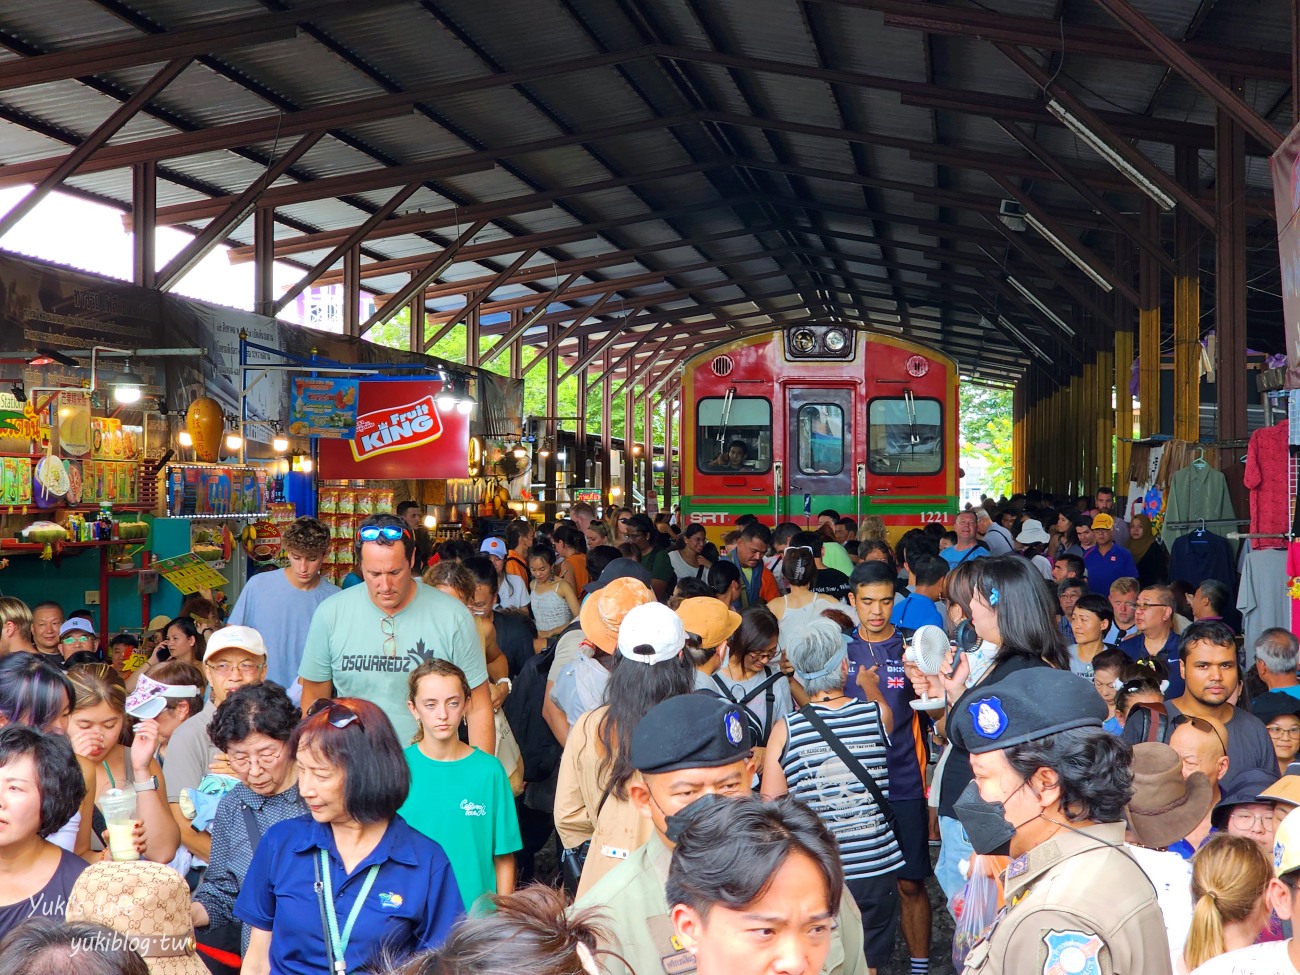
x=785 y=424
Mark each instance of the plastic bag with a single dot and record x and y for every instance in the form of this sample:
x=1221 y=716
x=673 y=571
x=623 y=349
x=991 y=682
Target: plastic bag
x=975 y=908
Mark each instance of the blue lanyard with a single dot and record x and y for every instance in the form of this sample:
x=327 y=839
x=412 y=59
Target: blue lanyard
x=339 y=943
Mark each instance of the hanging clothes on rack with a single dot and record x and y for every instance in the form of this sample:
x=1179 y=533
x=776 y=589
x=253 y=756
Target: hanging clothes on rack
x=1263 y=599
x=1197 y=492
x=1202 y=555
x=1266 y=477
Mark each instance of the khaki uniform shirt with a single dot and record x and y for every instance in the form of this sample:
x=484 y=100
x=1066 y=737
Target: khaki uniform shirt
x=1075 y=906
x=635 y=912
x=618 y=828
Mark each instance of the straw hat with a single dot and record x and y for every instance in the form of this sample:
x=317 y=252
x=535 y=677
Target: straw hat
x=148 y=904
x=1165 y=807
x=602 y=613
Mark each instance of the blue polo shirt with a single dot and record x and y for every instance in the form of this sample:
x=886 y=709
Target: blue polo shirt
x=1105 y=569
x=1135 y=649
x=915 y=610
x=411 y=906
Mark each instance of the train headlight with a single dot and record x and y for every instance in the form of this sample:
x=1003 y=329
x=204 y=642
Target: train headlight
x=803 y=341
x=836 y=340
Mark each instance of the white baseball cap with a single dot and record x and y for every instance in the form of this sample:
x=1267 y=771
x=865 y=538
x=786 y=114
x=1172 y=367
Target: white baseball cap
x=76 y=624
x=494 y=546
x=235 y=638
x=651 y=633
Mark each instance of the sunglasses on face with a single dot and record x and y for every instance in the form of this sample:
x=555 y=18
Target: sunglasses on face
x=388 y=533
x=339 y=716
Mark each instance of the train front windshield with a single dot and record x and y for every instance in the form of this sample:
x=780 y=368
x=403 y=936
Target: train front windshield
x=905 y=436
x=734 y=434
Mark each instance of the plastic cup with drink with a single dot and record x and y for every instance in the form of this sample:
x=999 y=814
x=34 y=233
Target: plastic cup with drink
x=118 y=806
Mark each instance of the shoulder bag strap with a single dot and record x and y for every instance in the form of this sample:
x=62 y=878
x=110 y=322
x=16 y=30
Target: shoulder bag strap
x=251 y=824
x=324 y=921
x=854 y=766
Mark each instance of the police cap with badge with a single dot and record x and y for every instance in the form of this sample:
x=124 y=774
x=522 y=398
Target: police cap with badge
x=1027 y=705
x=697 y=730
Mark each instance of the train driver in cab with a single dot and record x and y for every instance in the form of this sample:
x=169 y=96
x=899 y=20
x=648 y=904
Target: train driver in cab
x=735 y=457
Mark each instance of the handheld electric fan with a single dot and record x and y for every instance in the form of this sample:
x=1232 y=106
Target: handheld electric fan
x=927 y=650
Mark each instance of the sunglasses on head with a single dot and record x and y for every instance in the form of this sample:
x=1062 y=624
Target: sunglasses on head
x=339 y=715
x=387 y=533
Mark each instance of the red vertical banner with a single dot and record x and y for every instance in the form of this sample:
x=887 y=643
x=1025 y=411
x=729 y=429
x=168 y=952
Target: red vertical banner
x=400 y=433
x=1286 y=202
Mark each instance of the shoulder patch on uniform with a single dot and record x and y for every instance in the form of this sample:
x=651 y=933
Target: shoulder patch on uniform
x=1072 y=953
x=1018 y=866
x=989 y=718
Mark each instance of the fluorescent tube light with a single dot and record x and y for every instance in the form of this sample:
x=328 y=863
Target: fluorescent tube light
x=1070 y=255
x=1107 y=152
x=1032 y=298
x=1013 y=331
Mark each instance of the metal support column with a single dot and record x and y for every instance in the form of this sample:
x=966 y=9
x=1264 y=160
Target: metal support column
x=670 y=404
x=472 y=350
x=1230 y=293
x=549 y=499
x=581 y=455
x=629 y=438
x=648 y=451
x=264 y=261
x=352 y=292
x=1105 y=430
x=418 y=310
x=1123 y=366
x=606 y=434
x=1149 y=327
x=144 y=207
x=1187 y=307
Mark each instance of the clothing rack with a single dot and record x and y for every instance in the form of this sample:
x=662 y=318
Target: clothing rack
x=1202 y=523
x=1236 y=536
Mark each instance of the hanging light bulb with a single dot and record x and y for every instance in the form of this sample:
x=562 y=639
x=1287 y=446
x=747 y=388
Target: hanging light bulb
x=234 y=441
x=306 y=465
x=520 y=451
x=430 y=521
x=545 y=449
x=466 y=406
x=184 y=439
x=280 y=444
x=445 y=400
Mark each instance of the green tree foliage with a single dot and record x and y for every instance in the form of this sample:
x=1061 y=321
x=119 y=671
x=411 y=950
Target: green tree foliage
x=986 y=433
x=395 y=333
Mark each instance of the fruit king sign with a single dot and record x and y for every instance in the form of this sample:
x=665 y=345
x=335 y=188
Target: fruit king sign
x=400 y=433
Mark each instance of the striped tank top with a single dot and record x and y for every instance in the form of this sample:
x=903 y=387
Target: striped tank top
x=819 y=778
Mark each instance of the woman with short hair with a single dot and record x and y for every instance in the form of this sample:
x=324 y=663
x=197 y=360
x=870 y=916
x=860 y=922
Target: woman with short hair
x=252 y=728
x=42 y=789
x=307 y=895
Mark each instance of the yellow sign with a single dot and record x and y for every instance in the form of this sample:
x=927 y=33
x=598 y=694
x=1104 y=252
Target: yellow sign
x=189 y=573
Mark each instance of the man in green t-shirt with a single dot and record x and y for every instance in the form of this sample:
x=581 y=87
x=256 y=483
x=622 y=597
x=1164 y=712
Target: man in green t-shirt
x=641 y=533
x=364 y=641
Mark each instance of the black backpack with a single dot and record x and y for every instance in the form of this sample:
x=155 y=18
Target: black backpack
x=759 y=729
x=523 y=710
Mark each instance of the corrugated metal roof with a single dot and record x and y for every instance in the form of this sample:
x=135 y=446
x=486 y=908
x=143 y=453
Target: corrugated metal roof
x=809 y=189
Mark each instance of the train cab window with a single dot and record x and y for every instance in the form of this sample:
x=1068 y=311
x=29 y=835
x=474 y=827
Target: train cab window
x=821 y=438
x=734 y=434
x=905 y=436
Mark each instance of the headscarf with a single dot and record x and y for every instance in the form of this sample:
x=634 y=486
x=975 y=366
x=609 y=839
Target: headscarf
x=1137 y=547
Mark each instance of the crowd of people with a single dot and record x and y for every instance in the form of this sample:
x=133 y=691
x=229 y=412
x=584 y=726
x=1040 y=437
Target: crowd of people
x=732 y=750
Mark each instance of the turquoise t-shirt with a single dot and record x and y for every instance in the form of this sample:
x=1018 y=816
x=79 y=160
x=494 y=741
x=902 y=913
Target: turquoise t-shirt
x=467 y=808
x=347 y=643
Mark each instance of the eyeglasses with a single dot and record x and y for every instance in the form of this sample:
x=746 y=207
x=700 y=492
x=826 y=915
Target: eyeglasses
x=247 y=667
x=388 y=627
x=263 y=760
x=1249 y=820
x=388 y=533
x=76 y=638
x=1276 y=732
x=762 y=656
x=1151 y=606
x=339 y=715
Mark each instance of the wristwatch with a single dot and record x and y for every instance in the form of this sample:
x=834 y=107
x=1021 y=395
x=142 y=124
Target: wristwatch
x=148 y=785
x=510 y=685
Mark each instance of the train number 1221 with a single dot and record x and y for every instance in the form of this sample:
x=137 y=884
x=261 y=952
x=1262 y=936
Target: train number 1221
x=939 y=517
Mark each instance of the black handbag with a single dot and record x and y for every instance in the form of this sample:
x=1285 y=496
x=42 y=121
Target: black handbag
x=851 y=762
x=574 y=859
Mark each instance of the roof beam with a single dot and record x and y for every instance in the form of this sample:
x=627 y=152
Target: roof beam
x=413 y=222
x=352 y=240
x=1021 y=244
x=1045 y=33
x=475 y=301
x=441 y=261
x=376 y=179
x=103 y=132
x=527 y=321
x=268 y=127
x=544 y=239
x=236 y=209
x=133 y=52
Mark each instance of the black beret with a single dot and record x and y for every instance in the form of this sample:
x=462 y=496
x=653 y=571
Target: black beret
x=690 y=731
x=1027 y=705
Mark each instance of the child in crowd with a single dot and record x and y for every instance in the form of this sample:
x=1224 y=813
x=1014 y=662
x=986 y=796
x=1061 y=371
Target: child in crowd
x=1143 y=688
x=460 y=797
x=1106 y=669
